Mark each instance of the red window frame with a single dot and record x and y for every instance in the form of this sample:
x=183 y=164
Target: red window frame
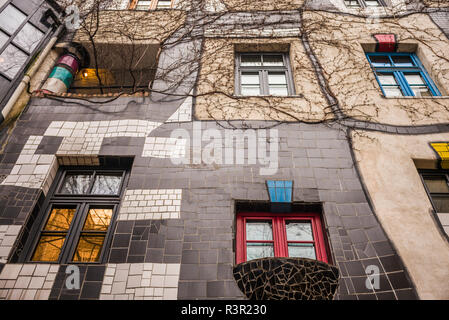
x=279 y=233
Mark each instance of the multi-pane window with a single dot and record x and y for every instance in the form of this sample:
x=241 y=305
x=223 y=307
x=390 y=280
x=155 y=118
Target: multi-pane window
x=262 y=235
x=76 y=222
x=263 y=74
x=402 y=74
x=437 y=187
x=151 y=5
x=363 y=3
x=18 y=39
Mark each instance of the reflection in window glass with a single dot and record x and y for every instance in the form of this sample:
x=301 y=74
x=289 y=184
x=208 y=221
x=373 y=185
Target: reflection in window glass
x=352 y=3
x=163 y=4
x=98 y=220
x=75 y=184
x=259 y=230
x=436 y=184
x=301 y=250
x=299 y=231
x=28 y=38
x=60 y=219
x=390 y=86
x=3 y=39
x=273 y=60
x=49 y=248
x=441 y=204
x=403 y=61
x=11 y=61
x=417 y=84
x=259 y=250
x=143 y=5
x=105 y=184
x=372 y=3
x=89 y=248
x=380 y=61
x=277 y=83
x=11 y=19
x=250 y=84
x=251 y=60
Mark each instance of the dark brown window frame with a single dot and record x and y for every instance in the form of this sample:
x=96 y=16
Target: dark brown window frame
x=429 y=173
x=82 y=204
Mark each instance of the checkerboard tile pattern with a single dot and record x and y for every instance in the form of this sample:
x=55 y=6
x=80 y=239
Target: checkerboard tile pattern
x=80 y=139
x=33 y=170
x=101 y=129
x=151 y=204
x=164 y=147
x=27 y=281
x=8 y=235
x=140 y=281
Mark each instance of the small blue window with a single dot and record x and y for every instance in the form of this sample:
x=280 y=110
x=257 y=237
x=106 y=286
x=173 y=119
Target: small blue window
x=401 y=74
x=280 y=191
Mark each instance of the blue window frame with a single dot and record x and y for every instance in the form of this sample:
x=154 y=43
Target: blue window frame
x=401 y=74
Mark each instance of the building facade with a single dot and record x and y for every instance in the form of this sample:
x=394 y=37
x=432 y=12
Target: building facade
x=168 y=144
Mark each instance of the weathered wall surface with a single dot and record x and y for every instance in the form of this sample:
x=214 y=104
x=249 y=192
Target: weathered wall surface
x=351 y=79
x=403 y=207
x=216 y=87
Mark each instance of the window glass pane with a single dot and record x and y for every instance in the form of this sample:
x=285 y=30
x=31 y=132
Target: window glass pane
x=11 y=19
x=12 y=60
x=301 y=250
x=75 y=184
x=3 y=39
x=250 y=60
x=105 y=184
x=441 y=204
x=386 y=79
x=250 y=90
x=277 y=83
x=402 y=61
x=259 y=230
x=299 y=231
x=278 y=90
x=380 y=61
x=60 y=219
x=88 y=249
x=259 y=250
x=421 y=91
x=143 y=5
x=48 y=248
x=414 y=79
x=98 y=220
x=250 y=78
x=163 y=4
x=393 y=91
x=352 y=3
x=372 y=3
x=273 y=60
x=29 y=37
x=277 y=78
x=436 y=184
x=250 y=84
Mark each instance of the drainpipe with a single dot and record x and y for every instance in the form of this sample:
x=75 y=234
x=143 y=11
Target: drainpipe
x=29 y=74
